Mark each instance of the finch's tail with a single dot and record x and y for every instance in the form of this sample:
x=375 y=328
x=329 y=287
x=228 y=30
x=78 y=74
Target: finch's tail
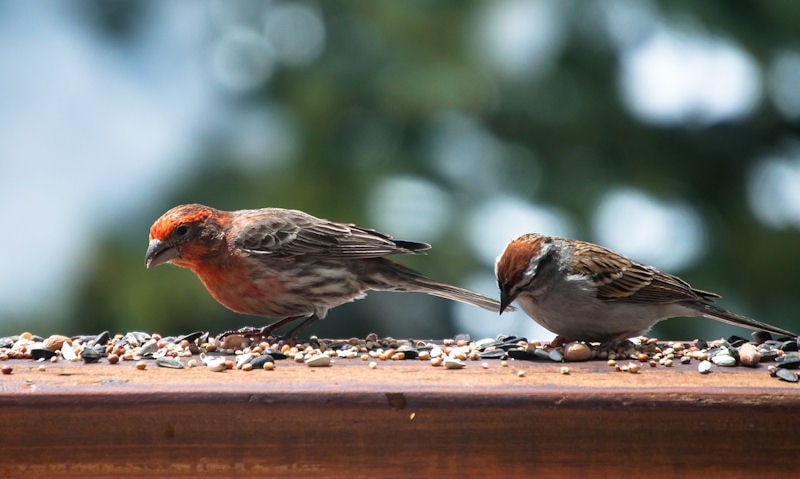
x=712 y=312
x=391 y=276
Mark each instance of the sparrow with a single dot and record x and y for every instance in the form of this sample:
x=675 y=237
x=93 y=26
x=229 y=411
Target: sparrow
x=287 y=264
x=585 y=292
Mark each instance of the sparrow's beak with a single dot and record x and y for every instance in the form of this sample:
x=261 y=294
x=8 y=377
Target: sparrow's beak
x=505 y=299
x=159 y=252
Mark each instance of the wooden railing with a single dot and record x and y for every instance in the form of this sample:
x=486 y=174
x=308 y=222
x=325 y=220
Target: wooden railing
x=400 y=419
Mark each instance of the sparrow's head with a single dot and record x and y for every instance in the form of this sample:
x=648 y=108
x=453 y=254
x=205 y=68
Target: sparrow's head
x=516 y=267
x=172 y=235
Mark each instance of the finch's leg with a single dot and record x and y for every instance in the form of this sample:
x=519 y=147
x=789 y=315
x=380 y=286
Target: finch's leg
x=300 y=327
x=266 y=331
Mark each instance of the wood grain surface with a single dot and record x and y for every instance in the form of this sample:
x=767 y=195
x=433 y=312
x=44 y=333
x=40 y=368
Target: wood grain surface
x=404 y=418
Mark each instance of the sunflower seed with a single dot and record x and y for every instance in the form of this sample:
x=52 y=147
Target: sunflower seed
x=318 y=360
x=169 y=362
x=786 y=375
x=452 y=363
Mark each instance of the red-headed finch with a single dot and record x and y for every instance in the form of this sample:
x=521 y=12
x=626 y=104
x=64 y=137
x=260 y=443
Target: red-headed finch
x=288 y=264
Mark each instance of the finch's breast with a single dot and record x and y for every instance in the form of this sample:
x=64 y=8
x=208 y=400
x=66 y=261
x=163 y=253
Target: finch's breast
x=280 y=289
x=233 y=287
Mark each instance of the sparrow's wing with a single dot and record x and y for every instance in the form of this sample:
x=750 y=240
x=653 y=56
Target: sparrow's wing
x=620 y=279
x=280 y=232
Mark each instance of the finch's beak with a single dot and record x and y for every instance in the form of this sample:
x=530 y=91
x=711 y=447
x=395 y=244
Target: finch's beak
x=159 y=252
x=505 y=299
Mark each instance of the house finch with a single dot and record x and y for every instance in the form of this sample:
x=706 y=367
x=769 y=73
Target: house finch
x=582 y=291
x=286 y=263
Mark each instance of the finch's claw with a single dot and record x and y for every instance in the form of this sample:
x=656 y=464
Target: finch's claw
x=265 y=332
x=249 y=332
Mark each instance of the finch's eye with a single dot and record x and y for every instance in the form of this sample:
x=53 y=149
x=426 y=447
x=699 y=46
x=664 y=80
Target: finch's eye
x=181 y=230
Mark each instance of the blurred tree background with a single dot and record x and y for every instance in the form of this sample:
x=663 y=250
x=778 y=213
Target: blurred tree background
x=667 y=130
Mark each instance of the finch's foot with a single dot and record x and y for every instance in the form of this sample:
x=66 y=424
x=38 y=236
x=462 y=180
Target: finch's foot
x=249 y=332
x=265 y=332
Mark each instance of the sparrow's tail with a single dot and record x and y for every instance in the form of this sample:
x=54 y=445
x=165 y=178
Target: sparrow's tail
x=390 y=276
x=712 y=312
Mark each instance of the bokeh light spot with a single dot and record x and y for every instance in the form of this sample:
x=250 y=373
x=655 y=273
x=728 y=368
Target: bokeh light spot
x=519 y=38
x=498 y=220
x=628 y=22
x=678 y=75
x=242 y=60
x=668 y=235
x=461 y=150
x=774 y=189
x=783 y=80
x=296 y=32
x=409 y=208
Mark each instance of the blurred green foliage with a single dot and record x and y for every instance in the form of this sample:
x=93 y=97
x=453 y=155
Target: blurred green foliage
x=361 y=112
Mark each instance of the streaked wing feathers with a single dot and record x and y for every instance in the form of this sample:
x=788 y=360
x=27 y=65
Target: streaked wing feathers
x=620 y=279
x=294 y=233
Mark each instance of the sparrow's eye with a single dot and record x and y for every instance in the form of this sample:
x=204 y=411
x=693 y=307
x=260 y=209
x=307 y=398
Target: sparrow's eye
x=181 y=231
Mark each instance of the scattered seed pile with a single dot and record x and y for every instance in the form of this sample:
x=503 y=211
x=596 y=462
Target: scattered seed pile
x=237 y=352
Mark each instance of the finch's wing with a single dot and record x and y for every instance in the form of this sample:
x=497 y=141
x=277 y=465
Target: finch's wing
x=280 y=232
x=620 y=279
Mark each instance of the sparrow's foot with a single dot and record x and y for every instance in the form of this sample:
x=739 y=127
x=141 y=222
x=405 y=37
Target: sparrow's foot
x=559 y=341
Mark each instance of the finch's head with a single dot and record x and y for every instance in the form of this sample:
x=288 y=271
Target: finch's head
x=516 y=268
x=174 y=236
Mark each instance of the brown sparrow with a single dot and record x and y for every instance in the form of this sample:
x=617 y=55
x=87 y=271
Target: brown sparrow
x=583 y=291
